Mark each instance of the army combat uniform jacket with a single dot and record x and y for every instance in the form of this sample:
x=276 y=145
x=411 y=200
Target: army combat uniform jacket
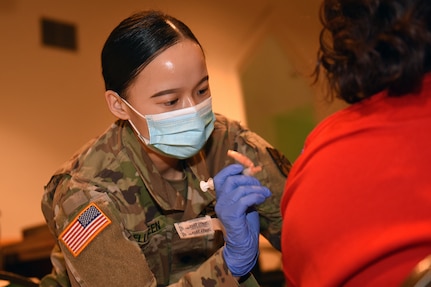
x=114 y=216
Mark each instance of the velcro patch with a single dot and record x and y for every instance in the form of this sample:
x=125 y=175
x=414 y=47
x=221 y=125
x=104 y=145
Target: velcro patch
x=84 y=228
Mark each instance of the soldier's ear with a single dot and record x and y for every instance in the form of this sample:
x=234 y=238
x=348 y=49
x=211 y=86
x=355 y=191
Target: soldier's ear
x=116 y=105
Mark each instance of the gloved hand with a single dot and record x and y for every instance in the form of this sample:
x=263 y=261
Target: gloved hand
x=236 y=196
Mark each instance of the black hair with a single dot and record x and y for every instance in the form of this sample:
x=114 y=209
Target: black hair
x=135 y=42
x=367 y=46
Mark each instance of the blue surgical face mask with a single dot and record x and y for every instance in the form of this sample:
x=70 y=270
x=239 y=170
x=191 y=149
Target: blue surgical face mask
x=180 y=133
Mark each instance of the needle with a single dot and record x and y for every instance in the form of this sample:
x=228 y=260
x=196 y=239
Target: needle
x=250 y=169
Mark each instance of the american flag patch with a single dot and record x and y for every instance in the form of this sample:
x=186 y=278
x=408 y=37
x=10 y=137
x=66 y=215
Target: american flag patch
x=84 y=228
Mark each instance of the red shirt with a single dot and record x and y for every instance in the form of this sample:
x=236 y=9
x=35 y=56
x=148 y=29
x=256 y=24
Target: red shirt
x=357 y=202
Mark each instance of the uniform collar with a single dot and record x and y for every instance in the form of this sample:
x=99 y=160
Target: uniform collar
x=159 y=188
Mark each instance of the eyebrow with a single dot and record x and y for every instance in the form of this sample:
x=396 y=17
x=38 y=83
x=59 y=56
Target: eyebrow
x=170 y=91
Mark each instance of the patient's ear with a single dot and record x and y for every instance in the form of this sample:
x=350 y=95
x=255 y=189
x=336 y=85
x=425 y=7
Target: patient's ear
x=116 y=105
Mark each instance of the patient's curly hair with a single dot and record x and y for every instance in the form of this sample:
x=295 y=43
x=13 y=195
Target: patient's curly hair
x=367 y=46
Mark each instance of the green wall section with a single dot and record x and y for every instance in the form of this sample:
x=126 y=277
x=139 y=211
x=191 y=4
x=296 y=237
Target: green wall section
x=278 y=100
x=292 y=129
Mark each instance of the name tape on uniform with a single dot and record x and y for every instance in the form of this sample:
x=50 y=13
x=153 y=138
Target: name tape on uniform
x=196 y=227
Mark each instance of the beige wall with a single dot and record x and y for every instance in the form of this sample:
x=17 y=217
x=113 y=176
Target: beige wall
x=52 y=99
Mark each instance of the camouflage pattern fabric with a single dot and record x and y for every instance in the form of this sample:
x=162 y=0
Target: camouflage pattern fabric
x=112 y=179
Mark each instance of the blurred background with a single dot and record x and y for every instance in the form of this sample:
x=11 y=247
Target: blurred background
x=260 y=55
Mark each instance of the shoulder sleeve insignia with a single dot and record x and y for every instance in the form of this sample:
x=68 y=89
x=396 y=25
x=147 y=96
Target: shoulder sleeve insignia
x=84 y=228
x=280 y=160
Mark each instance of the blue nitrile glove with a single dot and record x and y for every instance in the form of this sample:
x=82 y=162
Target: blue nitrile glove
x=236 y=196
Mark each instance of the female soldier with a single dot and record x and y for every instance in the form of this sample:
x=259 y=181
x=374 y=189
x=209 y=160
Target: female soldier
x=135 y=206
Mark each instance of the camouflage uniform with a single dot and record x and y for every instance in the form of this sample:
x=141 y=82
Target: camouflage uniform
x=135 y=243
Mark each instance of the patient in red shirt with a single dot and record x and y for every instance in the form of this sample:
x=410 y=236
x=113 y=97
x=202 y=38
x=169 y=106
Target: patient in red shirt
x=357 y=203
